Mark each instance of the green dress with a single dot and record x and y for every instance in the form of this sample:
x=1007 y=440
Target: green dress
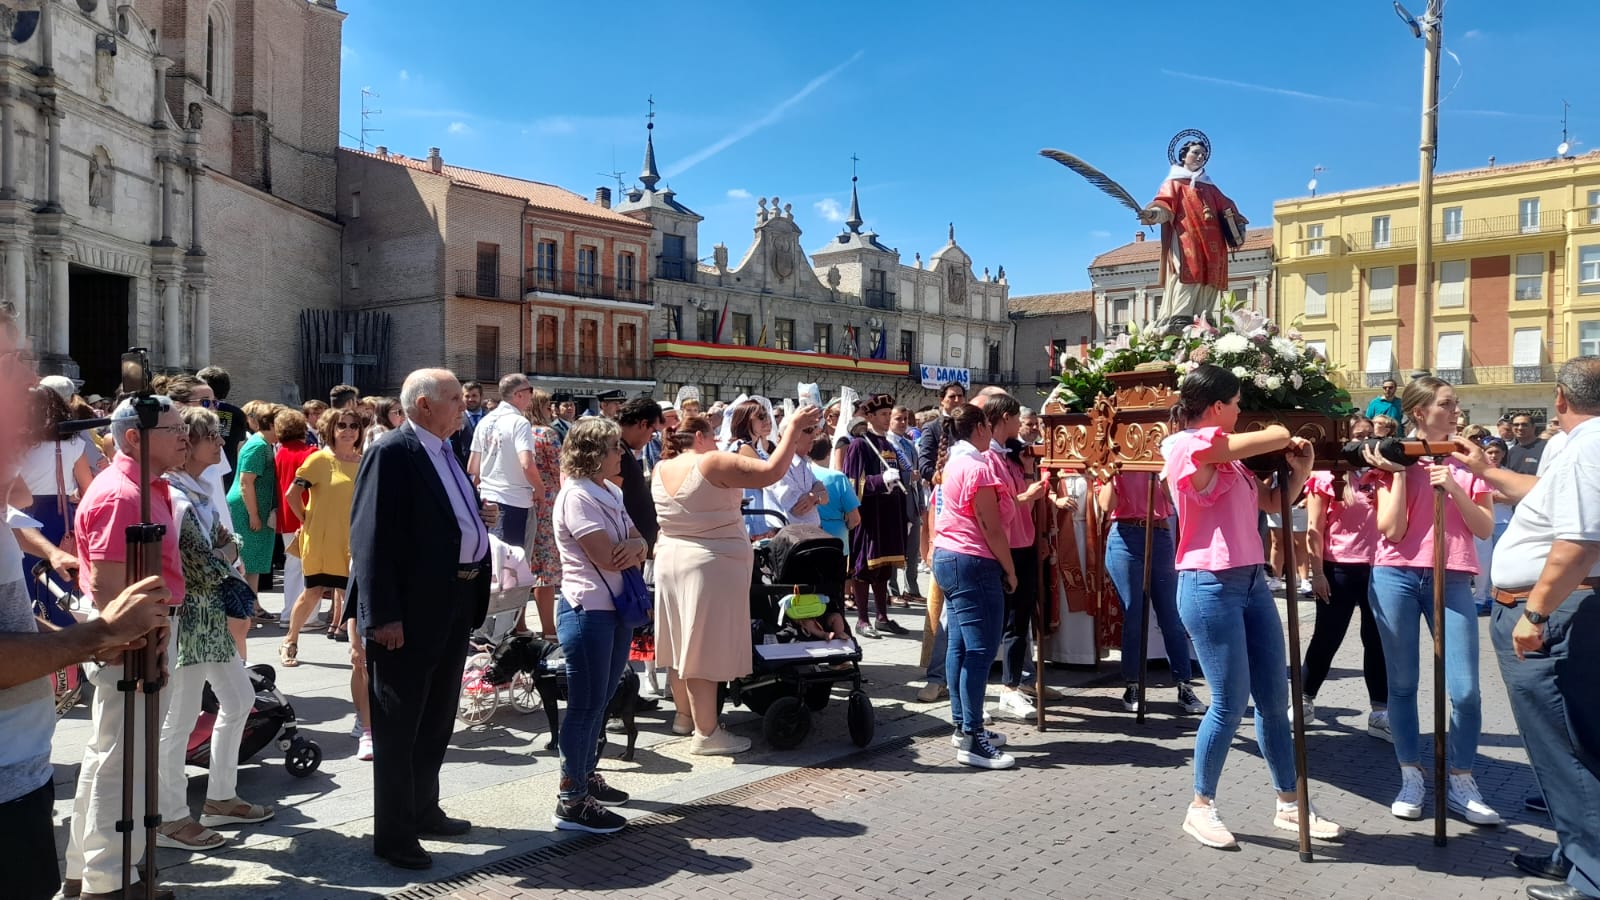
x=255 y=546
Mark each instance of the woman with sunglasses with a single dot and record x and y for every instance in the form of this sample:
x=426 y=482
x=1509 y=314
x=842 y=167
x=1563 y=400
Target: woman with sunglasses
x=325 y=486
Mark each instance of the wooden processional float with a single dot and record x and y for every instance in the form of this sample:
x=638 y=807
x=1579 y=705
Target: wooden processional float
x=1123 y=433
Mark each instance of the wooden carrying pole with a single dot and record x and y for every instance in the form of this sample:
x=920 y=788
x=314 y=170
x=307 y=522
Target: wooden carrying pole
x=1439 y=774
x=1302 y=790
x=1144 y=602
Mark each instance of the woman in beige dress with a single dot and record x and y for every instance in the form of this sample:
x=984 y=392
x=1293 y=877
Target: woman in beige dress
x=703 y=562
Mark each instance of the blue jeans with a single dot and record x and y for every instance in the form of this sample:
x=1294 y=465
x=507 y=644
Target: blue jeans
x=1402 y=596
x=1125 y=565
x=974 y=602
x=596 y=646
x=1552 y=698
x=1236 y=630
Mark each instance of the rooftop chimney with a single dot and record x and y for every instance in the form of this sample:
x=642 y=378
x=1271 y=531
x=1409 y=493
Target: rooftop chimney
x=602 y=197
x=383 y=152
x=435 y=161
x=1138 y=237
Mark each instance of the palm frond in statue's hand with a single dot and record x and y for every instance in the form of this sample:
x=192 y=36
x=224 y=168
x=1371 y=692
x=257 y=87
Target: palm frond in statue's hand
x=1095 y=177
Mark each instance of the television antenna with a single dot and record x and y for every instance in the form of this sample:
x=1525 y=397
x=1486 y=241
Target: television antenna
x=615 y=174
x=366 y=113
x=1564 y=146
x=1312 y=184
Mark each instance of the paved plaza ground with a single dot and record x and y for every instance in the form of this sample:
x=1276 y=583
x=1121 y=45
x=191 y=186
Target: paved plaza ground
x=1093 y=808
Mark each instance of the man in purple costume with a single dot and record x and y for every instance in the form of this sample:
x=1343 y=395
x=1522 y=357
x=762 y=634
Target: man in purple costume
x=878 y=544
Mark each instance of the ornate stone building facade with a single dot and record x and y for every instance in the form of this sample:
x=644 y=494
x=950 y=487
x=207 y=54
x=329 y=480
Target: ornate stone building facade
x=848 y=314
x=144 y=198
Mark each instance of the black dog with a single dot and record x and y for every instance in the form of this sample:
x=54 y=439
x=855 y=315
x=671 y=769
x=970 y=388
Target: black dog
x=544 y=661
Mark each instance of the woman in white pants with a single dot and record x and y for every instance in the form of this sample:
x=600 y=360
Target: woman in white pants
x=205 y=653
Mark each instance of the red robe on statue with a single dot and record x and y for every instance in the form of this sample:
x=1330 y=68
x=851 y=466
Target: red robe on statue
x=1196 y=206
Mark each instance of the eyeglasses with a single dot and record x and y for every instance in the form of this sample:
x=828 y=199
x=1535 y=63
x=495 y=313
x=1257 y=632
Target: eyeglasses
x=171 y=429
x=1521 y=424
x=347 y=426
x=208 y=403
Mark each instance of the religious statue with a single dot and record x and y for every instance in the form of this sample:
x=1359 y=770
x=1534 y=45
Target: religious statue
x=1198 y=226
x=196 y=117
x=97 y=182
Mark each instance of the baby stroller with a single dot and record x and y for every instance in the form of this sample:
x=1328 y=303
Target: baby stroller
x=794 y=676
x=510 y=590
x=270 y=718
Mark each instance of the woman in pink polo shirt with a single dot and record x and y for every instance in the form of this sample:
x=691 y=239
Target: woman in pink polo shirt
x=1342 y=538
x=1402 y=597
x=972 y=566
x=1222 y=592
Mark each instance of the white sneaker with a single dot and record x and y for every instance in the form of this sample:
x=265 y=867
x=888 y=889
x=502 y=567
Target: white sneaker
x=1308 y=708
x=1204 y=824
x=1305 y=588
x=1275 y=584
x=987 y=718
x=1017 y=704
x=364 y=747
x=1378 y=725
x=1464 y=798
x=995 y=738
x=975 y=750
x=1408 y=803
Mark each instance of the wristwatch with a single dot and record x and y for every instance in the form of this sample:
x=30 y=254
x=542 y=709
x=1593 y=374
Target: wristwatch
x=1534 y=617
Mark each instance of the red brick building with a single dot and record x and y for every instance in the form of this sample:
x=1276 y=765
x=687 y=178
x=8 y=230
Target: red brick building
x=488 y=274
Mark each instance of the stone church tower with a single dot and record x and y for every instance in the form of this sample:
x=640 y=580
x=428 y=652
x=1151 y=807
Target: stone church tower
x=167 y=181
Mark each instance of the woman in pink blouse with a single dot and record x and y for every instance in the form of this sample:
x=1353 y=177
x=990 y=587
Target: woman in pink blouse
x=1402 y=598
x=1222 y=592
x=1343 y=537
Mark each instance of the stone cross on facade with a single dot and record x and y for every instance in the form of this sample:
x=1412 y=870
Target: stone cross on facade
x=348 y=359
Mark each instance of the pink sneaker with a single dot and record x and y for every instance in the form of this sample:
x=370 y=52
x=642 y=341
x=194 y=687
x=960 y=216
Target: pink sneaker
x=1204 y=824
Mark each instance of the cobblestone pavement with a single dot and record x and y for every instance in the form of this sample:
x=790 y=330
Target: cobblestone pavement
x=1093 y=809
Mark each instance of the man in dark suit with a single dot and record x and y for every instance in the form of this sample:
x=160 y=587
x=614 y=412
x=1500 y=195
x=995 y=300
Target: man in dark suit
x=419 y=575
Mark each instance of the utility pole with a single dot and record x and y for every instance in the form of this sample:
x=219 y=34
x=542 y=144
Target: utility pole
x=1421 y=329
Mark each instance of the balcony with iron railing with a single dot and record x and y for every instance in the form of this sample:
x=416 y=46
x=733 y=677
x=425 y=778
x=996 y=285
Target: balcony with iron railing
x=486 y=368
x=1487 y=228
x=589 y=285
x=487 y=285
x=583 y=365
x=1392 y=239
x=675 y=269
x=878 y=298
x=1309 y=248
x=1480 y=375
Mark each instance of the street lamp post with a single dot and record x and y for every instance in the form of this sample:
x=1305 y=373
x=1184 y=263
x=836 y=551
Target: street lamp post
x=1429 y=29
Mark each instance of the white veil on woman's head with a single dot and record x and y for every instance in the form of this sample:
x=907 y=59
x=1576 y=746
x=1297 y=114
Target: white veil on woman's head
x=725 y=437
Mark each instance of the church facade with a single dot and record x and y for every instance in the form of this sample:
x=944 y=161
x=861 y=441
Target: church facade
x=167 y=181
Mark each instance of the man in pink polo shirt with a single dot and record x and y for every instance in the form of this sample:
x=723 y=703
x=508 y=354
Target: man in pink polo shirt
x=109 y=506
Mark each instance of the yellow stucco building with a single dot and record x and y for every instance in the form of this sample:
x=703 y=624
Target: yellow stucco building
x=1516 y=280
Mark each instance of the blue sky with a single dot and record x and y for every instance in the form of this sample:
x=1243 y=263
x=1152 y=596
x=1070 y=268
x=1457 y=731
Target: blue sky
x=947 y=105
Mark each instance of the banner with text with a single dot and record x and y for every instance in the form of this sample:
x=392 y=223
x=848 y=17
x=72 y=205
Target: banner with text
x=935 y=377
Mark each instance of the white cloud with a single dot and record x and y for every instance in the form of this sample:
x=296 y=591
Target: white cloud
x=738 y=194
x=1098 y=233
x=405 y=75
x=770 y=116
x=1472 y=33
x=829 y=209
x=347 y=53
x=459 y=128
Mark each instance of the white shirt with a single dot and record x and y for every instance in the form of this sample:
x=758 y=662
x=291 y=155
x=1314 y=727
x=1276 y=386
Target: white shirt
x=795 y=483
x=1563 y=506
x=474 y=538
x=500 y=436
x=38 y=467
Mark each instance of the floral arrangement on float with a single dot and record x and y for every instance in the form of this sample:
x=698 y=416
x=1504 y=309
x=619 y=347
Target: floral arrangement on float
x=1277 y=371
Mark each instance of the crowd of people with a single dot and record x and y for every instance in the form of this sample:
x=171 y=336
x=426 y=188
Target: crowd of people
x=388 y=510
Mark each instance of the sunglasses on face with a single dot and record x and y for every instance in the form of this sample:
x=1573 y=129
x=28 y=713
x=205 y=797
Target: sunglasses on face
x=348 y=426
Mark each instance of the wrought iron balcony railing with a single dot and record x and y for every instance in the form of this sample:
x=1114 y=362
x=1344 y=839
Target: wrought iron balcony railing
x=583 y=284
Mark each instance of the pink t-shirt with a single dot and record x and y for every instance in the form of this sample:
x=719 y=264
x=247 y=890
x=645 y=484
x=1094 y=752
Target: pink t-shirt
x=956 y=527
x=1217 y=526
x=109 y=506
x=581 y=509
x=1130 y=489
x=1350 y=533
x=1015 y=520
x=1416 y=548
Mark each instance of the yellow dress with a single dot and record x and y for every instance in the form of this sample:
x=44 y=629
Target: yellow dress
x=325 y=528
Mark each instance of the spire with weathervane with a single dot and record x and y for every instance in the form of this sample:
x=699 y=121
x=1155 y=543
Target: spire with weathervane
x=855 y=221
x=650 y=176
